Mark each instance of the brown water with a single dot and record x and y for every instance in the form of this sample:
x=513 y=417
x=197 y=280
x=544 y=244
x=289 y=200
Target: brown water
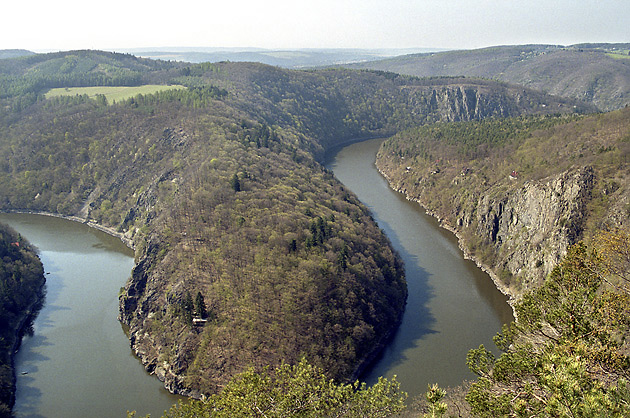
x=452 y=307
x=78 y=362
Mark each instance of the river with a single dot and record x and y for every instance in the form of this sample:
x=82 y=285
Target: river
x=453 y=306
x=78 y=362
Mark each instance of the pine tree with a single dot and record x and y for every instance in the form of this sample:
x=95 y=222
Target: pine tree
x=200 y=306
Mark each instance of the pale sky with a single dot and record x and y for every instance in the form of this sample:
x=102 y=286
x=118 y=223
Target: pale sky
x=290 y=24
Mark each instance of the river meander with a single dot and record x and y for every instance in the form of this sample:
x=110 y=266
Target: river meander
x=78 y=362
x=452 y=306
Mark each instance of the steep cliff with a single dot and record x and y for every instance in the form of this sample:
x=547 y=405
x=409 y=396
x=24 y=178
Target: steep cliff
x=517 y=223
x=530 y=227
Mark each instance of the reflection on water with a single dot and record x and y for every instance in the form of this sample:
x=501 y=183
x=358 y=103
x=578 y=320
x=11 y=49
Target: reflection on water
x=452 y=307
x=78 y=361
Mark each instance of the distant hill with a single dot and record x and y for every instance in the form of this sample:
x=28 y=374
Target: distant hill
x=14 y=53
x=300 y=58
x=77 y=62
x=596 y=73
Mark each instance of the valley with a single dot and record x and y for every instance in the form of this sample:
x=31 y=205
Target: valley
x=220 y=189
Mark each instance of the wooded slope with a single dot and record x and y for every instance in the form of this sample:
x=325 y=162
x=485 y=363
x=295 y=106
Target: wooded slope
x=518 y=191
x=21 y=290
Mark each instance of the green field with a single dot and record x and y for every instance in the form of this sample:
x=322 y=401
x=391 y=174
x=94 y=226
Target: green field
x=113 y=94
x=619 y=55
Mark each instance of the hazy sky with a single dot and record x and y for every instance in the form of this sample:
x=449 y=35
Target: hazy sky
x=117 y=24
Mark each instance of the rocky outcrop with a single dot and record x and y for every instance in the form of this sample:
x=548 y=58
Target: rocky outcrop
x=530 y=228
x=468 y=99
x=517 y=235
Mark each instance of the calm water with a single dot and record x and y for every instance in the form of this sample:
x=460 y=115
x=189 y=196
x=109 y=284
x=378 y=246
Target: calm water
x=452 y=307
x=78 y=362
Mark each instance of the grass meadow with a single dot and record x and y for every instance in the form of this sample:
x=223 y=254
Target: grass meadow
x=113 y=94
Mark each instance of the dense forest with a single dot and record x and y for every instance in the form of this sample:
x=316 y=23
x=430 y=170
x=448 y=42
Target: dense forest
x=21 y=289
x=248 y=252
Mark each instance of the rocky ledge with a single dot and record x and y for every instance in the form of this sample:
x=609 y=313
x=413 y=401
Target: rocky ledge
x=517 y=236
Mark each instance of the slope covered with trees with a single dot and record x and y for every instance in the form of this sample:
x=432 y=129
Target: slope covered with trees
x=21 y=288
x=248 y=252
x=567 y=354
x=518 y=192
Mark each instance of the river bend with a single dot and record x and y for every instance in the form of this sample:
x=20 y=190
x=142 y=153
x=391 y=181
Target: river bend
x=453 y=306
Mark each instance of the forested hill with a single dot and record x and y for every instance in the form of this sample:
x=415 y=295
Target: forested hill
x=519 y=192
x=596 y=73
x=21 y=290
x=248 y=251
x=14 y=53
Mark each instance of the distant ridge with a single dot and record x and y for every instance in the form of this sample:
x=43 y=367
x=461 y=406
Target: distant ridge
x=14 y=53
x=286 y=58
x=595 y=73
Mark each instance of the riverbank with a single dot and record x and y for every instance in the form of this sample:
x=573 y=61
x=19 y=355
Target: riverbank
x=463 y=245
x=110 y=231
x=24 y=324
x=22 y=287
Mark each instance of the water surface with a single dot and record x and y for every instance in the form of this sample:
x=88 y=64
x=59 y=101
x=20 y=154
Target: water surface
x=452 y=306
x=78 y=362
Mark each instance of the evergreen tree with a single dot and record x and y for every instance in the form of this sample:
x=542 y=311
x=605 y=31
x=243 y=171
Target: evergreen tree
x=235 y=183
x=200 y=306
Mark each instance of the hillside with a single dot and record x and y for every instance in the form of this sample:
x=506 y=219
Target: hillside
x=14 y=53
x=518 y=192
x=595 y=73
x=219 y=189
x=21 y=291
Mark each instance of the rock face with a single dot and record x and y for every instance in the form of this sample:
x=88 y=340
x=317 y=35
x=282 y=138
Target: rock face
x=531 y=228
x=466 y=100
x=517 y=236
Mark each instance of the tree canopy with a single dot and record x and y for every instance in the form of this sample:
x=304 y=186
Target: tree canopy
x=21 y=289
x=567 y=353
x=300 y=390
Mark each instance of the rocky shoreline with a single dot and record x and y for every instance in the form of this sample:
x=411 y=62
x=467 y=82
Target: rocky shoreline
x=512 y=298
x=110 y=231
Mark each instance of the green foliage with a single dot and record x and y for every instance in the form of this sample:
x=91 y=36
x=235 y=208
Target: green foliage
x=434 y=396
x=564 y=356
x=200 y=306
x=21 y=286
x=235 y=183
x=301 y=390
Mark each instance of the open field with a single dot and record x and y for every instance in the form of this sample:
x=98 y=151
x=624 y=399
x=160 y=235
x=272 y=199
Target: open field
x=619 y=55
x=113 y=93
